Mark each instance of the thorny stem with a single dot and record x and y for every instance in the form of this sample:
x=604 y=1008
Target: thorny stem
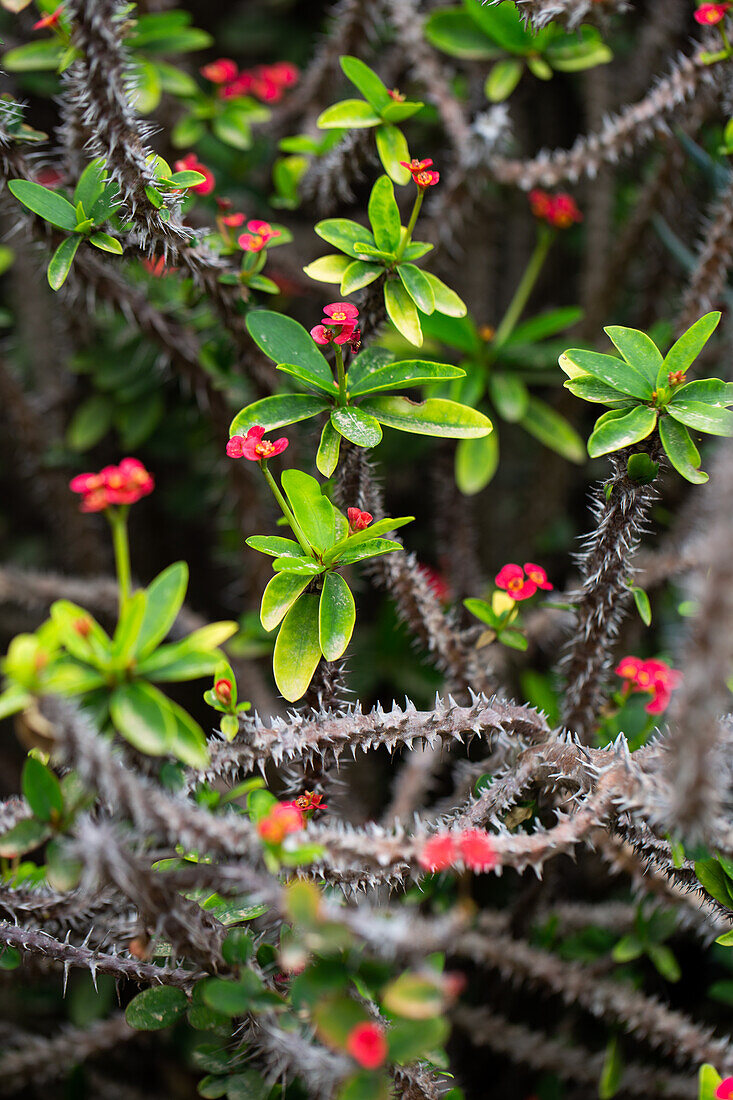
x=545 y=237
x=341 y=374
x=410 y=225
x=297 y=529
x=118 y=522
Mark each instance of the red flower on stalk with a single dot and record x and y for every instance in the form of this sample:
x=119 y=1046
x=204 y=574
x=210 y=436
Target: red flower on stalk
x=358 y=520
x=191 y=163
x=537 y=574
x=123 y=484
x=710 y=14
x=420 y=174
x=438 y=853
x=50 y=20
x=267 y=82
x=477 y=850
x=724 y=1090
x=652 y=676
x=221 y=71
x=253 y=447
x=338 y=325
x=512 y=579
x=283 y=819
x=258 y=236
x=309 y=801
x=559 y=211
x=367 y=1045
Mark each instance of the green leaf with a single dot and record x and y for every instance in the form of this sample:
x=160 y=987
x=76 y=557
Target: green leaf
x=552 y=429
x=344 y=234
x=638 y=349
x=329 y=269
x=408 y=372
x=91 y=184
x=476 y=463
x=175 y=81
x=436 y=416
x=156 y=1008
x=279 y=596
x=726 y=940
x=23 y=837
x=367 y=362
x=359 y=274
x=504 y=24
x=165 y=597
x=545 y=324
x=90 y=423
x=446 y=300
x=41 y=790
x=681 y=451
x=336 y=616
x=665 y=962
x=413 y=996
x=232 y=126
x=352 y=113
x=297 y=649
x=313 y=511
x=710 y=391
x=453 y=31
x=384 y=215
x=612 y=1072
x=715 y=881
x=328 y=450
x=275 y=545
x=275 y=412
x=47 y=204
x=398 y=112
x=615 y=372
x=402 y=311
x=592 y=389
x=393 y=150
x=503 y=79
x=418 y=286
x=106 y=243
x=683 y=353
x=643 y=606
x=572 y=53
x=457 y=332
x=128 y=626
x=366 y=81
x=304 y=375
x=621 y=430
x=412 y=1039
x=189 y=741
x=285 y=341
x=711 y=419
x=301 y=566
x=708 y=1082
x=372 y=548
x=510 y=396
x=641 y=468
x=60 y=263
x=381 y=527
x=142 y=715
x=43 y=56
x=357 y=426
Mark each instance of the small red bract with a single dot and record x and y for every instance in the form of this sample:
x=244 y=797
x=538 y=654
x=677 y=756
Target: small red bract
x=50 y=20
x=418 y=170
x=358 y=520
x=651 y=676
x=123 y=484
x=438 y=853
x=258 y=236
x=710 y=14
x=367 y=1045
x=282 y=820
x=537 y=574
x=191 y=163
x=559 y=211
x=338 y=325
x=512 y=579
x=223 y=691
x=477 y=850
x=253 y=447
x=221 y=71
x=724 y=1090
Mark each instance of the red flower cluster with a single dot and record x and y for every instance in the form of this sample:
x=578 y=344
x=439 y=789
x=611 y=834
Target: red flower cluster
x=50 y=20
x=307 y=801
x=157 y=267
x=254 y=447
x=358 y=520
x=258 y=234
x=282 y=820
x=267 y=83
x=710 y=14
x=418 y=170
x=650 y=676
x=559 y=211
x=512 y=579
x=338 y=325
x=724 y=1090
x=367 y=1045
x=472 y=847
x=191 y=163
x=123 y=484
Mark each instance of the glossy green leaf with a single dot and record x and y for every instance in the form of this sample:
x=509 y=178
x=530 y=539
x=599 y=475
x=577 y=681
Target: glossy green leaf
x=344 y=234
x=453 y=31
x=552 y=429
x=336 y=616
x=348 y=543
x=593 y=389
x=23 y=837
x=621 y=430
x=504 y=24
x=393 y=150
x=402 y=311
x=142 y=715
x=572 y=53
x=456 y=332
x=308 y=378
x=710 y=391
x=446 y=300
x=165 y=597
x=275 y=412
x=313 y=511
x=545 y=324
x=510 y=396
x=156 y=1008
x=366 y=81
x=275 y=545
x=412 y=1039
x=106 y=243
x=91 y=184
x=328 y=269
x=612 y=1071
x=303 y=566
x=614 y=372
x=408 y=372
x=436 y=416
x=638 y=349
x=372 y=548
x=91 y=422
x=384 y=215
x=352 y=113
x=418 y=286
x=285 y=341
x=279 y=596
x=685 y=351
x=357 y=426
x=128 y=626
x=539 y=68
x=43 y=56
x=476 y=463
x=188 y=743
x=367 y=362
x=358 y=274
x=415 y=250
x=715 y=881
x=41 y=790
x=681 y=451
x=327 y=455
x=60 y=263
x=47 y=204
x=65 y=616
x=705 y=418
x=709 y=1080
x=503 y=79
x=398 y=112
x=642 y=605
x=297 y=649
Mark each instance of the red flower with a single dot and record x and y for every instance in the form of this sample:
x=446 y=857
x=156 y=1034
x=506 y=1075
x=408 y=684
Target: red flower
x=283 y=73
x=49 y=177
x=559 y=211
x=358 y=520
x=396 y=95
x=257 y=237
x=416 y=165
x=191 y=163
x=711 y=13
x=232 y=220
x=439 y=852
x=651 y=676
x=341 y=312
x=321 y=334
x=254 y=447
x=309 y=800
x=419 y=174
x=123 y=484
x=724 y=1090
x=477 y=850
x=223 y=691
x=436 y=582
x=512 y=579
x=157 y=267
x=338 y=325
x=221 y=71
x=283 y=819
x=367 y=1045
x=52 y=19
x=537 y=574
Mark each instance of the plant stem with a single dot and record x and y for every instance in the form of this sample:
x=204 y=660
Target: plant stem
x=296 y=528
x=545 y=237
x=341 y=374
x=410 y=225
x=118 y=522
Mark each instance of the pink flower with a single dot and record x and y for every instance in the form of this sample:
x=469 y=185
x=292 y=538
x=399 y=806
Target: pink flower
x=438 y=853
x=477 y=850
x=654 y=677
x=283 y=819
x=724 y=1090
x=257 y=237
x=537 y=574
x=191 y=163
x=512 y=579
x=710 y=14
x=358 y=520
x=233 y=221
x=343 y=315
x=221 y=71
x=367 y=1045
x=321 y=334
x=341 y=312
x=123 y=484
x=559 y=211
x=418 y=170
x=283 y=73
x=253 y=447
x=50 y=20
